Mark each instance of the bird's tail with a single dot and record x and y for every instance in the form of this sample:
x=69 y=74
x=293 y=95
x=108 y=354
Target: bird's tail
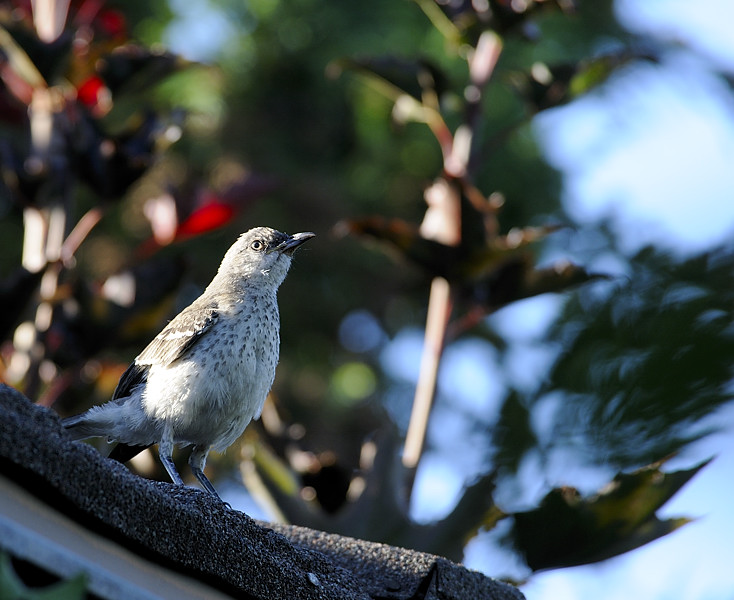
x=81 y=427
x=121 y=420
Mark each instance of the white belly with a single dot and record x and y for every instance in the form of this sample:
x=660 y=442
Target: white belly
x=210 y=396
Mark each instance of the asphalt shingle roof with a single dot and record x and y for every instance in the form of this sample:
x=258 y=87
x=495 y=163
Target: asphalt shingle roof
x=188 y=531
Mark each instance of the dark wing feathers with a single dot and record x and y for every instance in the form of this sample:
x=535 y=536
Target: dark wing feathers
x=179 y=335
x=134 y=375
x=169 y=345
x=124 y=452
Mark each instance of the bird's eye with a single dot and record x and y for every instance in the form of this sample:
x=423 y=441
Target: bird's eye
x=257 y=245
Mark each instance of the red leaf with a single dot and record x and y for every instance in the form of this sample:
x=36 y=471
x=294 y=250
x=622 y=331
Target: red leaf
x=88 y=92
x=203 y=219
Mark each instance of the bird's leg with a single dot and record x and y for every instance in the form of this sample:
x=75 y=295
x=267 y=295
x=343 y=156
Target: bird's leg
x=197 y=460
x=165 y=453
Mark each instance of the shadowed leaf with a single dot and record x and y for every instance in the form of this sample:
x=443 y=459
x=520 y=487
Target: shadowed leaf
x=36 y=62
x=404 y=238
x=568 y=530
x=16 y=290
x=511 y=443
x=402 y=76
x=131 y=69
x=546 y=86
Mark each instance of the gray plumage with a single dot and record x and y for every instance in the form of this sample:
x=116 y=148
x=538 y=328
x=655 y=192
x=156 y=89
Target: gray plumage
x=207 y=374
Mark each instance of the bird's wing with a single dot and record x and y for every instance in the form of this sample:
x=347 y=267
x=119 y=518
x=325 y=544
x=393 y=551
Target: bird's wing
x=134 y=375
x=179 y=335
x=169 y=345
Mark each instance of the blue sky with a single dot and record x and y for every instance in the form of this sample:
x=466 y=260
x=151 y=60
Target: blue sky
x=651 y=151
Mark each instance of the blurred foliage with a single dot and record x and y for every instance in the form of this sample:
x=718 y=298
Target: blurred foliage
x=402 y=127
x=644 y=363
x=12 y=586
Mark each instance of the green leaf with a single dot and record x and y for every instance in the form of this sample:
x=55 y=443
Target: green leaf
x=10 y=584
x=593 y=72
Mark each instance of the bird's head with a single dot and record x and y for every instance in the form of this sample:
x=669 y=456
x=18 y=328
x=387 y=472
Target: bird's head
x=262 y=255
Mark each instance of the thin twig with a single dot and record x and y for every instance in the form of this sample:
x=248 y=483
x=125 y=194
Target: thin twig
x=80 y=232
x=439 y=312
x=440 y=21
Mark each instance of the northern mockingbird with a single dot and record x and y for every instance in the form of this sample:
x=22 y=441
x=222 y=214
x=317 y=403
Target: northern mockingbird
x=206 y=375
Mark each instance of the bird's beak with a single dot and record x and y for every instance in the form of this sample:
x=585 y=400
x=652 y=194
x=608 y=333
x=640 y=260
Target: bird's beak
x=292 y=243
